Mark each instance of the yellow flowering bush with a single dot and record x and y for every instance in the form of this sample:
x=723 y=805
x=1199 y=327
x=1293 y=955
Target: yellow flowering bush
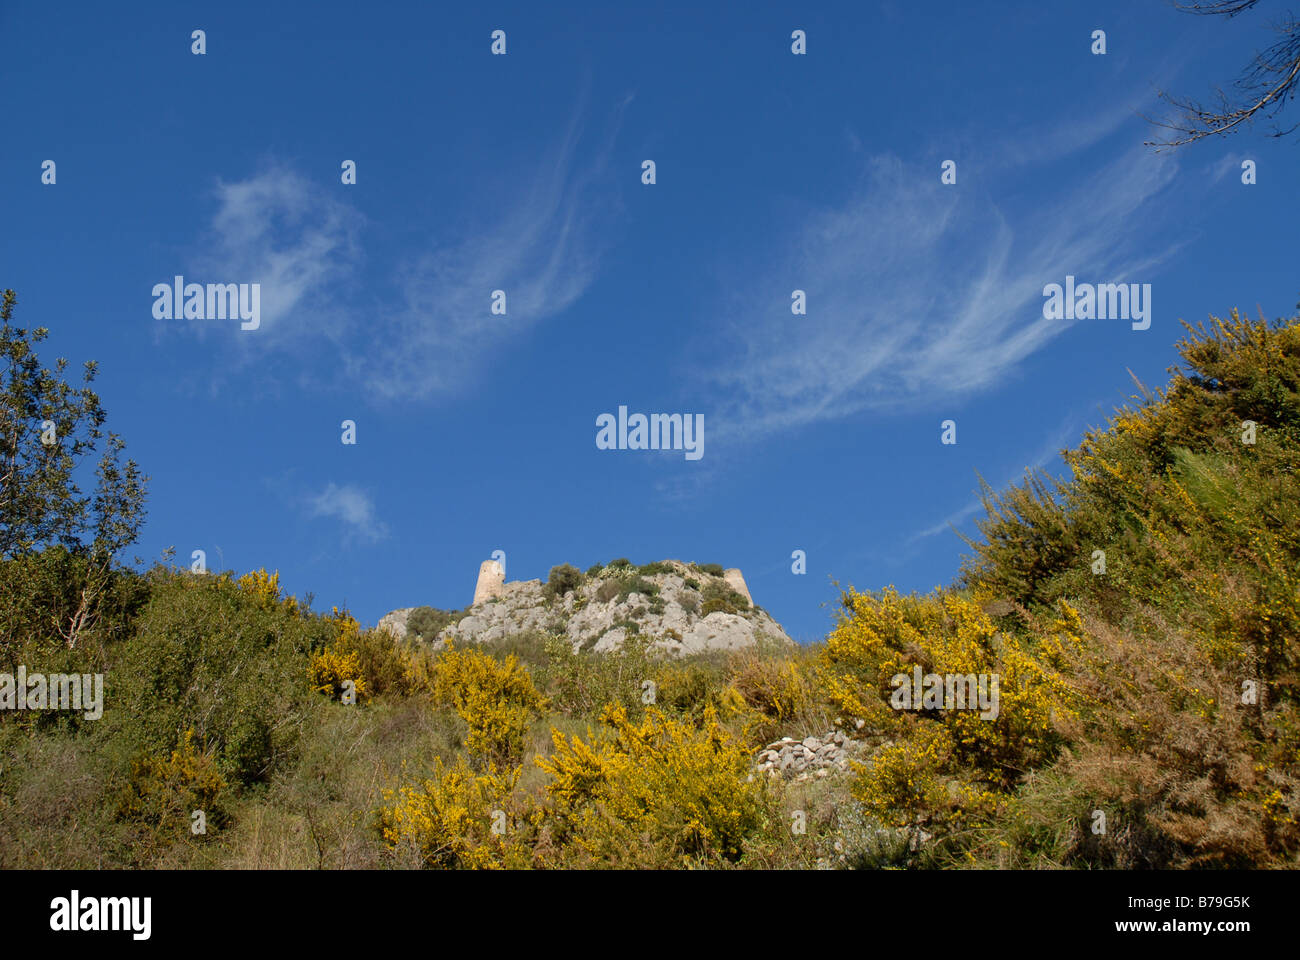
x=264 y=588
x=670 y=790
x=905 y=784
x=330 y=670
x=496 y=698
x=164 y=792
x=884 y=635
x=458 y=818
x=339 y=662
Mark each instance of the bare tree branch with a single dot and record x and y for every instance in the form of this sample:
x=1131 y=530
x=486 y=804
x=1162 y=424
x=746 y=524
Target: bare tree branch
x=1217 y=8
x=1263 y=89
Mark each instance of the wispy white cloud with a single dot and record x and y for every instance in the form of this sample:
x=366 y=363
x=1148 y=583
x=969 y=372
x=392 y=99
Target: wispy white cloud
x=298 y=241
x=352 y=507
x=919 y=291
x=1037 y=145
x=1229 y=165
x=543 y=255
x=427 y=328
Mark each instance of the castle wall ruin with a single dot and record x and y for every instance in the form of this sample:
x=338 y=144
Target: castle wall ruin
x=737 y=582
x=491 y=581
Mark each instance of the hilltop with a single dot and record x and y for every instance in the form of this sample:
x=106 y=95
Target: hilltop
x=682 y=608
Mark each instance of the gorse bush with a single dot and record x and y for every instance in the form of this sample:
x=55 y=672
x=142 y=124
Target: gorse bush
x=448 y=820
x=337 y=668
x=1178 y=539
x=496 y=699
x=887 y=635
x=164 y=792
x=774 y=694
x=673 y=791
x=264 y=590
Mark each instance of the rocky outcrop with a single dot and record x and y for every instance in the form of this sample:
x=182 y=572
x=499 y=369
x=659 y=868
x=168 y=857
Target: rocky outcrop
x=663 y=602
x=395 y=622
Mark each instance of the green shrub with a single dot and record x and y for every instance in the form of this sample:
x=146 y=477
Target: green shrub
x=638 y=585
x=581 y=683
x=719 y=596
x=214 y=657
x=163 y=792
x=562 y=579
x=45 y=625
x=427 y=622
x=527 y=646
x=712 y=569
x=689 y=685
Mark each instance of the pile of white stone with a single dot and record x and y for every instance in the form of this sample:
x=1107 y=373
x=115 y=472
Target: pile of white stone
x=812 y=757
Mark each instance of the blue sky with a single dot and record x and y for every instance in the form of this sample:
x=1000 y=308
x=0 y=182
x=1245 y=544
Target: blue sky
x=775 y=172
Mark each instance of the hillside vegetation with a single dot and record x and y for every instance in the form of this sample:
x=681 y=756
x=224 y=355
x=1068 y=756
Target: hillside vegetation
x=1142 y=618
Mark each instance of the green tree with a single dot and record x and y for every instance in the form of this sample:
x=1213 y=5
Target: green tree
x=49 y=431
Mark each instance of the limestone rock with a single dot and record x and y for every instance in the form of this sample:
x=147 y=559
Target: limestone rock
x=395 y=622
x=605 y=610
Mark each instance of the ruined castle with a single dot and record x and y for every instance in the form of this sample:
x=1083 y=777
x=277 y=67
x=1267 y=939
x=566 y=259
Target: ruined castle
x=668 y=608
x=492 y=582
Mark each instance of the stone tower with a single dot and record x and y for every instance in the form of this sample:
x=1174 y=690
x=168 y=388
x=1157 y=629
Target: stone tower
x=491 y=581
x=737 y=583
